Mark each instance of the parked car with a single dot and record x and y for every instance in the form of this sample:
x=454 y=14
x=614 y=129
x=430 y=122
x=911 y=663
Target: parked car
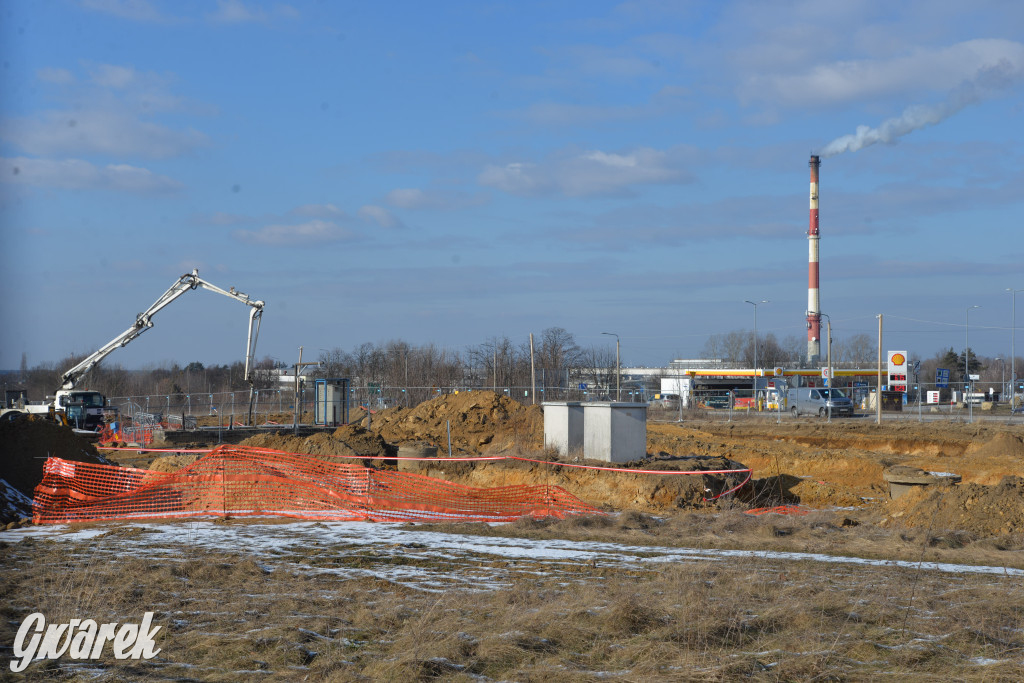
x=669 y=401
x=817 y=401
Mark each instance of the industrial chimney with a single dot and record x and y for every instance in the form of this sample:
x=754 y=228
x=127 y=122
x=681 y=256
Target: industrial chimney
x=813 y=302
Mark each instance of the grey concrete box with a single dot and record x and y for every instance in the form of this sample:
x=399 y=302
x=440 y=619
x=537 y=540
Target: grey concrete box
x=615 y=432
x=563 y=427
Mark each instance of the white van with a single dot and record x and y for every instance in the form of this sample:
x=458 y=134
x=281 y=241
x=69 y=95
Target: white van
x=817 y=401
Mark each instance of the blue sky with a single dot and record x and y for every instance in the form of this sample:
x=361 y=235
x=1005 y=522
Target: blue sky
x=449 y=172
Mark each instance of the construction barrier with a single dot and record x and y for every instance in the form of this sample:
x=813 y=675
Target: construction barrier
x=236 y=481
x=746 y=473
x=118 y=433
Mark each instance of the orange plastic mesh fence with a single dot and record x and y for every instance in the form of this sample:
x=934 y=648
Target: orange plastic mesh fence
x=242 y=481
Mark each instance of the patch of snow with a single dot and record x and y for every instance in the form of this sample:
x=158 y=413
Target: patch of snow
x=293 y=542
x=13 y=503
x=985 y=661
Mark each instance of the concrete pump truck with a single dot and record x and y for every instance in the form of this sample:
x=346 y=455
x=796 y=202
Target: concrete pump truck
x=83 y=409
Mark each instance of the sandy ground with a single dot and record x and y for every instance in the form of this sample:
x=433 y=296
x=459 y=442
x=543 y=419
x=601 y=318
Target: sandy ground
x=803 y=461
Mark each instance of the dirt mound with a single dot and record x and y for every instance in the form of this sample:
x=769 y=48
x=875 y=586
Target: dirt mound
x=173 y=463
x=26 y=443
x=977 y=509
x=347 y=440
x=1001 y=444
x=480 y=421
x=611 y=490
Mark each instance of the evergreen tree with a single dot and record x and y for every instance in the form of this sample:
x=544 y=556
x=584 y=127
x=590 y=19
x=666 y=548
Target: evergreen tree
x=954 y=363
x=974 y=365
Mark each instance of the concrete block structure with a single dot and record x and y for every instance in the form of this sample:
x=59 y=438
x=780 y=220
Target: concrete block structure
x=563 y=427
x=604 y=430
x=615 y=432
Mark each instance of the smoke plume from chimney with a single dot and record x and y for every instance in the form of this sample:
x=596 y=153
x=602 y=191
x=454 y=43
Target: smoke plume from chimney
x=986 y=83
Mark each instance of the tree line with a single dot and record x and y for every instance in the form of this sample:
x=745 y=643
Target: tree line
x=501 y=363
x=498 y=362
x=859 y=350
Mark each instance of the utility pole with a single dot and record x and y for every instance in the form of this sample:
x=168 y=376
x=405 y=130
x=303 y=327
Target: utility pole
x=828 y=364
x=533 y=372
x=753 y=397
x=295 y=406
x=1013 y=339
x=878 y=391
x=967 y=368
x=618 y=367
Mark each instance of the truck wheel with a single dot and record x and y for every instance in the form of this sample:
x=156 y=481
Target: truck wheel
x=793 y=411
x=822 y=412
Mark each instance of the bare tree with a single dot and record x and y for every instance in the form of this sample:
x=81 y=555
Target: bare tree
x=598 y=369
x=556 y=354
x=855 y=351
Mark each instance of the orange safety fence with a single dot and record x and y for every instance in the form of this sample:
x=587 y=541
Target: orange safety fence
x=235 y=481
x=746 y=472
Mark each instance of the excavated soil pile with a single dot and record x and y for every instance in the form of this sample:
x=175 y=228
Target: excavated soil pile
x=480 y=421
x=173 y=463
x=979 y=510
x=652 y=493
x=1002 y=444
x=25 y=444
x=841 y=464
x=347 y=440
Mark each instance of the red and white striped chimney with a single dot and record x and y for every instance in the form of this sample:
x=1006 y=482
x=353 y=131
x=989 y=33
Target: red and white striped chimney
x=813 y=302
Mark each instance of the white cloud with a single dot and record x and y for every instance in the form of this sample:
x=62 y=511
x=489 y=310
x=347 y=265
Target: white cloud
x=222 y=218
x=135 y=10
x=416 y=198
x=985 y=83
x=109 y=132
x=238 y=12
x=310 y=233
x=113 y=112
x=558 y=114
x=56 y=76
x=234 y=12
x=380 y=216
x=589 y=173
x=408 y=198
x=113 y=76
x=618 y=62
x=75 y=174
x=318 y=211
x=919 y=71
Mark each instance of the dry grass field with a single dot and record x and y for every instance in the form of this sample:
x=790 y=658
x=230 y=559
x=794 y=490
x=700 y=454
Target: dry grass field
x=620 y=597
x=663 y=587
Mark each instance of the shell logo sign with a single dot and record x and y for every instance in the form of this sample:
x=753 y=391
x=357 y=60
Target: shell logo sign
x=897 y=370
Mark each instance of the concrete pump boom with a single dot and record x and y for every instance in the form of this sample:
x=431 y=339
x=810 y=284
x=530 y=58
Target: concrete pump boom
x=144 y=321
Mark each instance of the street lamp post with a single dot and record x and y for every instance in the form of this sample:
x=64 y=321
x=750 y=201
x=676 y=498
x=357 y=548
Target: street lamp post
x=1002 y=377
x=1013 y=335
x=967 y=363
x=754 y=304
x=831 y=382
x=618 y=368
